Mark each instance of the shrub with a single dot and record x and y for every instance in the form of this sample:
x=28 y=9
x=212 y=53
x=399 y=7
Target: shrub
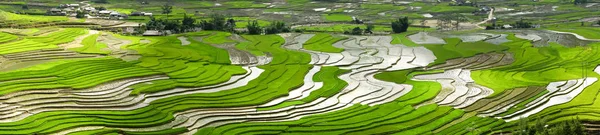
x=187 y=23
x=569 y=127
x=217 y=22
x=523 y=24
x=355 y=31
x=277 y=27
x=80 y=14
x=401 y=25
x=254 y=28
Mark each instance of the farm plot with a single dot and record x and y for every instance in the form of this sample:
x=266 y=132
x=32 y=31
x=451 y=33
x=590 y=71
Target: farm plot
x=47 y=41
x=292 y=83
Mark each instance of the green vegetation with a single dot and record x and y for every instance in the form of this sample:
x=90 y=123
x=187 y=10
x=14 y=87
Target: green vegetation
x=401 y=25
x=238 y=62
x=323 y=43
x=91 y=46
x=455 y=48
x=49 y=41
x=587 y=32
x=15 y=20
x=342 y=27
x=331 y=85
x=571 y=127
x=337 y=17
x=76 y=74
x=559 y=63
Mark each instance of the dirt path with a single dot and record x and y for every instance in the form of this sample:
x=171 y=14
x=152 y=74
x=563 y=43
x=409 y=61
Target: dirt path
x=490 y=17
x=113 y=44
x=77 y=42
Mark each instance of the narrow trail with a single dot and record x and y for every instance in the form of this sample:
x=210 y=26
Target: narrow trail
x=490 y=17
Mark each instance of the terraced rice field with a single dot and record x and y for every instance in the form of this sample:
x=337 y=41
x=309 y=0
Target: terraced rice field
x=8 y=19
x=78 y=81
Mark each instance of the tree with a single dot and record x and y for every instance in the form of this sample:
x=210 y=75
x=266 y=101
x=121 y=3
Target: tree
x=218 y=21
x=254 y=28
x=80 y=14
x=598 y=22
x=187 y=23
x=445 y=22
x=230 y=25
x=401 y=25
x=167 y=9
x=522 y=24
x=25 y=7
x=277 y=27
x=458 y=18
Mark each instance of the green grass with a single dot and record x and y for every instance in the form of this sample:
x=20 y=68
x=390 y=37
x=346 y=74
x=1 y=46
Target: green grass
x=261 y=44
x=195 y=65
x=331 y=85
x=324 y=43
x=343 y=27
x=521 y=105
x=587 y=32
x=455 y=48
x=337 y=17
x=387 y=7
x=91 y=46
x=6 y=37
x=394 y=117
x=75 y=74
x=537 y=66
x=243 y=4
x=9 y=19
x=49 y=41
x=218 y=38
x=398 y=76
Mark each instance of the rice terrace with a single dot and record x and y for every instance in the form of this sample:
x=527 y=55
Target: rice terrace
x=300 y=67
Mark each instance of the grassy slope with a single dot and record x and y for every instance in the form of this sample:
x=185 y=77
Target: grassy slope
x=49 y=41
x=324 y=43
x=331 y=86
x=91 y=46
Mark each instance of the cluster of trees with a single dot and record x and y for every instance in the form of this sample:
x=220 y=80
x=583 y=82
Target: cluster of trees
x=218 y=22
x=398 y=26
x=521 y=24
x=275 y=27
x=359 y=31
x=569 y=127
x=175 y=26
x=80 y=14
